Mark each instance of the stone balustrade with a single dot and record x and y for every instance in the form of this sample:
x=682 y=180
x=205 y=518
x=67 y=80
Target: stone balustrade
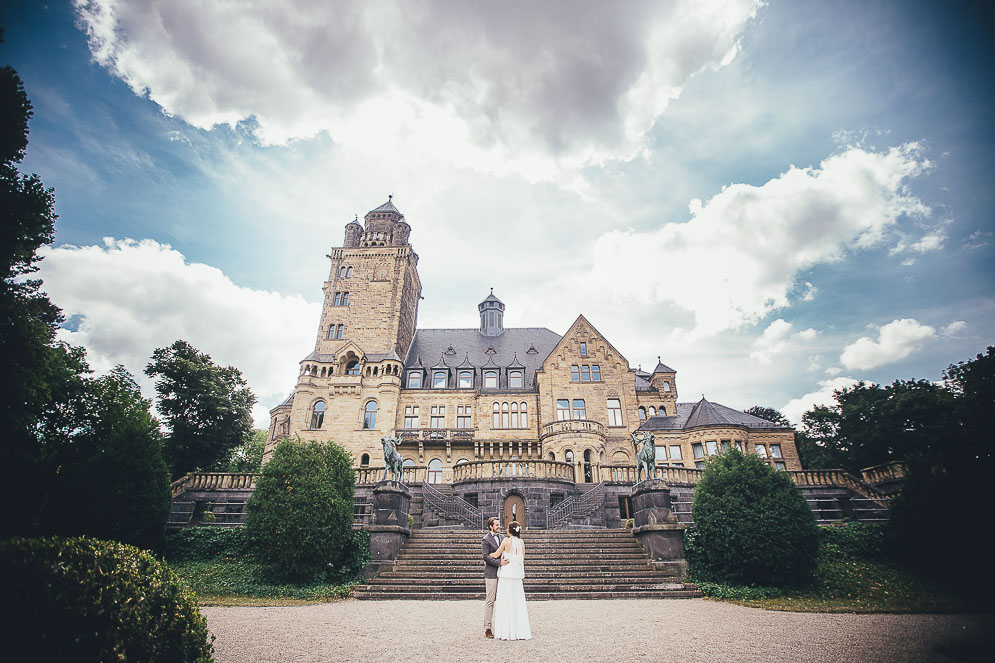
x=892 y=471
x=517 y=468
x=430 y=434
x=572 y=426
x=411 y=474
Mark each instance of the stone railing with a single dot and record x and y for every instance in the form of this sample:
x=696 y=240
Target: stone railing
x=887 y=472
x=518 y=468
x=835 y=478
x=627 y=474
x=214 y=481
x=411 y=474
x=435 y=433
x=452 y=507
x=571 y=426
x=575 y=506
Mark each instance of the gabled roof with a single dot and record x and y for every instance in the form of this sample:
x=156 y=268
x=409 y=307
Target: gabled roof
x=441 y=363
x=706 y=413
x=581 y=320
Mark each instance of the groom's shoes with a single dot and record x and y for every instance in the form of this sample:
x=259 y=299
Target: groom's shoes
x=488 y=634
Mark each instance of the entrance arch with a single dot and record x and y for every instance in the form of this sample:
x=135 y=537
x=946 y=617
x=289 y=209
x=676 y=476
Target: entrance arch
x=514 y=509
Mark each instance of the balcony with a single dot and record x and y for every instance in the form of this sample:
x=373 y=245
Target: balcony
x=484 y=470
x=572 y=427
x=435 y=434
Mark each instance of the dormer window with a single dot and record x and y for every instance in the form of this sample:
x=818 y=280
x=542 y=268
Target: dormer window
x=490 y=379
x=439 y=379
x=516 y=379
x=465 y=379
x=414 y=380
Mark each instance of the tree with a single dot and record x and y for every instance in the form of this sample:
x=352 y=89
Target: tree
x=751 y=524
x=768 y=414
x=299 y=518
x=207 y=408
x=248 y=456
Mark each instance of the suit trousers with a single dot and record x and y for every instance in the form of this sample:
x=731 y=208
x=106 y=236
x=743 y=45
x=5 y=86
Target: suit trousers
x=491 y=584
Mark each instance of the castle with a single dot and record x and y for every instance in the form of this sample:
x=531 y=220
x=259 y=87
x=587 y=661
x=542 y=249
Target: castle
x=528 y=399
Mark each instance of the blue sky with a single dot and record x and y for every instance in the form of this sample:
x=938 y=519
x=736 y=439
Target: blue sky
x=777 y=198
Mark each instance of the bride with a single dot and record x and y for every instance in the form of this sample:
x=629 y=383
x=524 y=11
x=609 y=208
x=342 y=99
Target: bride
x=511 y=617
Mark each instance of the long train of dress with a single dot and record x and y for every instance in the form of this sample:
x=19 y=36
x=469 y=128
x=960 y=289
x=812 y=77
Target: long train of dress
x=511 y=616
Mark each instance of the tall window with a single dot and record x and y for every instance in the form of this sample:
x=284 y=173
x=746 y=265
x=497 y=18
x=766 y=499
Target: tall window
x=338 y=333
x=411 y=416
x=614 y=412
x=338 y=299
x=516 y=379
x=569 y=456
x=496 y=418
x=352 y=368
x=463 y=416
x=712 y=447
x=775 y=451
x=652 y=411
x=504 y=416
x=435 y=471
x=438 y=416
x=575 y=373
x=761 y=451
x=317 y=414
x=642 y=413
x=726 y=445
x=579 y=409
x=466 y=379
x=523 y=415
x=490 y=379
x=345 y=299
x=675 y=452
x=562 y=409
x=583 y=349
x=331 y=332
x=364 y=460
x=370 y=415
x=439 y=380
x=348 y=272
x=414 y=380
x=666 y=386
x=596 y=373
x=514 y=415
x=698 y=450
x=342 y=272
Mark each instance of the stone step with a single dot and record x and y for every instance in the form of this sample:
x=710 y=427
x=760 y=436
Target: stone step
x=537 y=596
x=476 y=574
x=539 y=584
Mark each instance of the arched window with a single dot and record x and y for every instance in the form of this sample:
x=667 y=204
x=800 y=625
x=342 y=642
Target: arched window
x=663 y=411
x=364 y=460
x=569 y=456
x=322 y=371
x=490 y=379
x=342 y=272
x=370 y=415
x=552 y=456
x=348 y=272
x=652 y=411
x=496 y=423
x=523 y=415
x=435 y=471
x=516 y=379
x=642 y=413
x=504 y=416
x=352 y=368
x=314 y=371
x=514 y=415
x=317 y=414
x=587 y=466
x=666 y=386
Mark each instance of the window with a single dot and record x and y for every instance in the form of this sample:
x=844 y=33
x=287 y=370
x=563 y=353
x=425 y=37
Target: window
x=411 y=416
x=675 y=452
x=490 y=379
x=496 y=416
x=569 y=456
x=370 y=415
x=661 y=454
x=516 y=379
x=761 y=451
x=779 y=465
x=583 y=349
x=504 y=415
x=338 y=333
x=414 y=380
x=471 y=498
x=345 y=299
x=342 y=272
x=775 y=451
x=555 y=498
x=666 y=386
x=439 y=380
x=739 y=446
x=700 y=464
x=575 y=373
x=596 y=373
x=642 y=413
x=579 y=409
x=663 y=411
x=352 y=368
x=614 y=412
x=331 y=332
x=317 y=414
x=697 y=450
x=435 y=471
x=562 y=409
x=726 y=445
x=348 y=272
x=712 y=447
x=585 y=373
x=438 y=416
x=338 y=299
x=466 y=379
x=523 y=415
x=652 y=411
x=364 y=460
x=514 y=415
x=462 y=416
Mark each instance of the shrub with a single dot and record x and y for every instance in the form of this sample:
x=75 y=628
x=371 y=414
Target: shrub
x=299 y=518
x=751 y=525
x=205 y=544
x=85 y=599
x=866 y=541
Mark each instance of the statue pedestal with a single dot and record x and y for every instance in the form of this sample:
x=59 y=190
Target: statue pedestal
x=657 y=528
x=388 y=525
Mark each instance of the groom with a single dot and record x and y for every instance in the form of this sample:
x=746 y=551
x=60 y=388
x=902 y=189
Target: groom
x=490 y=543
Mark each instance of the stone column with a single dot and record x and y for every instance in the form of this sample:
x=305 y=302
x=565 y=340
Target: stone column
x=657 y=528
x=388 y=525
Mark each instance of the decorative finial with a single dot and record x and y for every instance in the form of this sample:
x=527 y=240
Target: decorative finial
x=355 y=218
x=492 y=291
x=390 y=197
x=658 y=359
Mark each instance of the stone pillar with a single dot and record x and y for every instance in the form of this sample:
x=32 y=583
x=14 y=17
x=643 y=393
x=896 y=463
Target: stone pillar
x=657 y=528
x=388 y=525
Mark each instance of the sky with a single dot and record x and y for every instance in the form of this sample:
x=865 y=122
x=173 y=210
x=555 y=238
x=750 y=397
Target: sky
x=778 y=199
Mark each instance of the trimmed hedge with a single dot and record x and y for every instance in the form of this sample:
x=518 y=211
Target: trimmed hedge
x=82 y=599
x=205 y=544
x=751 y=525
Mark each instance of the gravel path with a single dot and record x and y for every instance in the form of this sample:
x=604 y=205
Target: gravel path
x=590 y=631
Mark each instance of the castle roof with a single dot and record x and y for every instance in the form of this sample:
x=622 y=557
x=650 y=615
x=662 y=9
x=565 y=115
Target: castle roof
x=387 y=207
x=705 y=413
x=662 y=368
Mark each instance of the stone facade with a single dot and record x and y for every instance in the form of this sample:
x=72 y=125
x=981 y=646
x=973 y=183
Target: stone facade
x=489 y=393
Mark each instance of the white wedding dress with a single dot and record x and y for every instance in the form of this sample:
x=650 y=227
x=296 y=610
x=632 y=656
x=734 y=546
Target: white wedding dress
x=511 y=617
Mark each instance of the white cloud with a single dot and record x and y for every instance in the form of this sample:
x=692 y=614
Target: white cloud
x=738 y=257
x=522 y=89
x=138 y=296
x=896 y=340
x=795 y=408
x=776 y=339
x=954 y=327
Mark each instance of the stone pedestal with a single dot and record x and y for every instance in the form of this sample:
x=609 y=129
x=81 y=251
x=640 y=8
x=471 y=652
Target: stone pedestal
x=656 y=526
x=388 y=525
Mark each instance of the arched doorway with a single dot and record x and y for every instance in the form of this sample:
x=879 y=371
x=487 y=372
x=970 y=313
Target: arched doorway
x=514 y=509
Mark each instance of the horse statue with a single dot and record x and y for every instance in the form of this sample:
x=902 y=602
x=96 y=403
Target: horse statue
x=392 y=459
x=646 y=458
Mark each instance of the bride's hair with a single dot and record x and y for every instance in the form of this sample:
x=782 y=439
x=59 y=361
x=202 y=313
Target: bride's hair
x=515 y=529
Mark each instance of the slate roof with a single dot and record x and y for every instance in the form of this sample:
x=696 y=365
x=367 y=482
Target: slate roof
x=373 y=358
x=511 y=346
x=642 y=384
x=315 y=356
x=387 y=207
x=662 y=368
x=706 y=413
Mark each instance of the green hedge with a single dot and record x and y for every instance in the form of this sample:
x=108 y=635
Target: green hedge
x=83 y=599
x=205 y=544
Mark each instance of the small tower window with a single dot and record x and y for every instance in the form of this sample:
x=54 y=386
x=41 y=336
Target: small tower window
x=317 y=414
x=338 y=333
x=364 y=460
x=370 y=415
x=666 y=386
x=583 y=349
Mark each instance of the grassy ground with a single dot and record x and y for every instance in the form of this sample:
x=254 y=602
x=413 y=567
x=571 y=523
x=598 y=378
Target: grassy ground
x=236 y=582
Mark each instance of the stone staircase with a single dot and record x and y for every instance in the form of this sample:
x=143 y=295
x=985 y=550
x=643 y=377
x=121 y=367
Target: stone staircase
x=445 y=564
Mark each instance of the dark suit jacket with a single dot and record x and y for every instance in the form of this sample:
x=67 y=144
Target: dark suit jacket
x=487 y=546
